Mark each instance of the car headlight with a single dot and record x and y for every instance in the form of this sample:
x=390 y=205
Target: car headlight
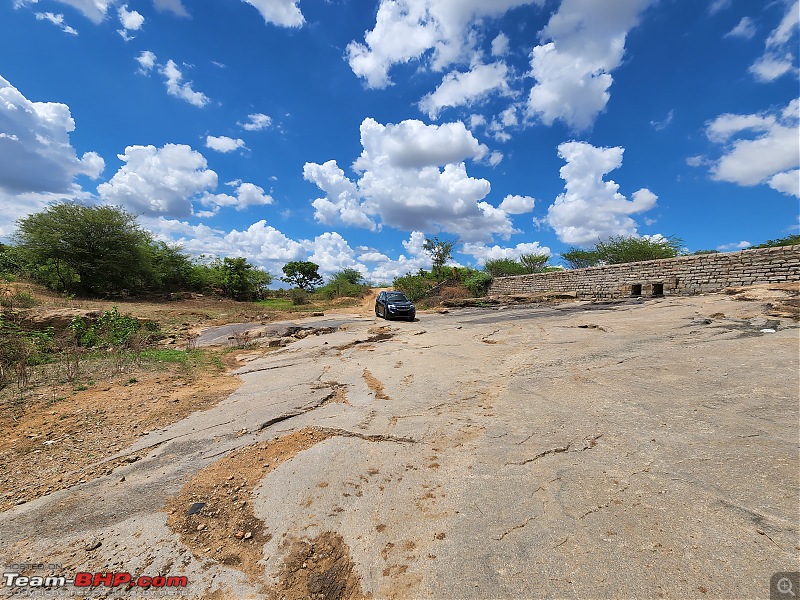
x=391 y=307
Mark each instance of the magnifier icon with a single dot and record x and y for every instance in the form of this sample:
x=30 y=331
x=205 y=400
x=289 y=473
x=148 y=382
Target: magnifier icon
x=784 y=586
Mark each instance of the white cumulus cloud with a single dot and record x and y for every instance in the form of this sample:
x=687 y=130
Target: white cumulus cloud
x=495 y=158
x=408 y=30
x=130 y=21
x=285 y=13
x=146 y=60
x=385 y=269
x=269 y=248
x=256 y=122
x=517 y=205
x=734 y=246
x=35 y=151
x=173 y=77
x=758 y=148
x=170 y=181
x=223 y=143
x=245 y=196
x=159 y=181
x=412 y=177
x=500 y=45
x=249 y=194
x=342 y=202
x=585 y=42
x=482 y=252
x=412 y=144
x=465 y=89
x=786 y=182
x=179 y=88
x=262 y=244
x=591 y=209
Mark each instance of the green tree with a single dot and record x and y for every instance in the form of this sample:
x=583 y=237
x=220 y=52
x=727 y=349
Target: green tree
x=623 y=249
x=347 y=282
x=206 y=274
x=503 y=267
x=352 y=276
x=525 y=264
x=241 y=280
x=10 y=261
x=626 y=249
x=577 y=258
x=169 y=268
x=85 y=249
x=789 y=240
x=415 y=286
x=303 y=274
x=533 y=262
x=478 y=283
x=440 y=252
x=232 y=277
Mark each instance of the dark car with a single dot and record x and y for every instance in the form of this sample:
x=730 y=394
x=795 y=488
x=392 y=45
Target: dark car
x=390 y=305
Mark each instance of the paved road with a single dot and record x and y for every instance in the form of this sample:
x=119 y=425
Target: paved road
x=634 y=450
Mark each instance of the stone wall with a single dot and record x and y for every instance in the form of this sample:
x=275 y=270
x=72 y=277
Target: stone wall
x=681 y=276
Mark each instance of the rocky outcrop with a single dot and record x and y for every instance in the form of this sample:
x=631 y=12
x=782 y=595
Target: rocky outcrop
x=41 y=319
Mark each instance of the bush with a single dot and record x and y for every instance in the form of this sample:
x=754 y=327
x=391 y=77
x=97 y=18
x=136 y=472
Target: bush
x=347 y=282
x=415 y=286
x=577 y=258
x=20 y=350
x=789 y=240
x=502 y=267
x=623 y=249
x=10 y=261
x=86 y=249
x=17 y=300
x=478 y=283
x=440 y=252
x=109 y=331
x=298 y=296
x=533 y=262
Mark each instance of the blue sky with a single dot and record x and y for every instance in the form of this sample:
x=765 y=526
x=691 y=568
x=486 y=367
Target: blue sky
x=346 y=131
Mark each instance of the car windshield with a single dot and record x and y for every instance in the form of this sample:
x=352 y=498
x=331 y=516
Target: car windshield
x=396 y=297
